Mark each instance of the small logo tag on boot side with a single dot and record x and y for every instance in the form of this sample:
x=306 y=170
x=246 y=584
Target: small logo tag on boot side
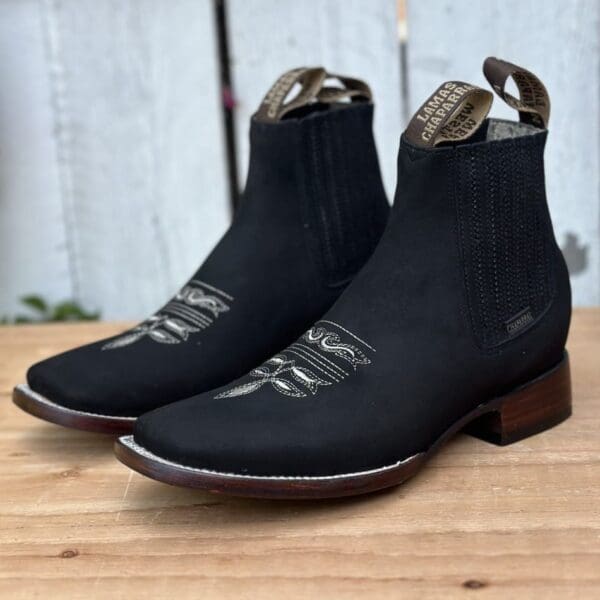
x=519 y=321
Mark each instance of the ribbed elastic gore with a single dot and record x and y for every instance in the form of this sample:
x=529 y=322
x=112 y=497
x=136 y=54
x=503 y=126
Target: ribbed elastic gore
x=505 y=236
x=339 y=204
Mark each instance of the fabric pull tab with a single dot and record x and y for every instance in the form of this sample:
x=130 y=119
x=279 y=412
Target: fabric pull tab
x=534 y=102
x=312 y=89
x=453 y=113
x=353 y=89
x=273 y=106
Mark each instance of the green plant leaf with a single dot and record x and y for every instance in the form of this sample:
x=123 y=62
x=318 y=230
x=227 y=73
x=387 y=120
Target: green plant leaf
x=71 y=311
x=44 y=312
x=20 y=319
x=36 y=303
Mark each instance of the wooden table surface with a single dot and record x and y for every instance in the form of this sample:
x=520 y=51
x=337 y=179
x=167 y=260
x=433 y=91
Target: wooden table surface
x=478 y=522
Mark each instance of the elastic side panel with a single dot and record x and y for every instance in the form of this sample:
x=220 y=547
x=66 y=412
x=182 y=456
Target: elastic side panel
x=506 y=236
x=346 y=203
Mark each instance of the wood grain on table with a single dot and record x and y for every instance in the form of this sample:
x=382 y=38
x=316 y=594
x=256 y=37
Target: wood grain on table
x=479 y=521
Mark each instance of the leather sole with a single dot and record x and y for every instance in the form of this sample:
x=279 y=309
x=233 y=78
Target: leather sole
x=534 y=407
x=37 y=405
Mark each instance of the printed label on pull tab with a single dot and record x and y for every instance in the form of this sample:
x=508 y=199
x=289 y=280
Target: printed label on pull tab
x=274 y=107
x=533 y=103
x=454 y=112
x=311 y=81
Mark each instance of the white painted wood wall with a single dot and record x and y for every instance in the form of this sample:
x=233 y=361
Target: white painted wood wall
x=112 y=154
x=112 y=164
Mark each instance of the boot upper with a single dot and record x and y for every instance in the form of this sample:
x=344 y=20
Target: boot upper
x=465 y=299
x=311 y=214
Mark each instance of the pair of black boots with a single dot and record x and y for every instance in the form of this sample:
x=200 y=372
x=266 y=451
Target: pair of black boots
x=381 y=333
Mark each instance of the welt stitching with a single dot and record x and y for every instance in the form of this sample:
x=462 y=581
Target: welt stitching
x=130 y=443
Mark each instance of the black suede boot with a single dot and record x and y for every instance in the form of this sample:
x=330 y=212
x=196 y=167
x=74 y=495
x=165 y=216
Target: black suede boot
x=312 y=212
x=458 y=320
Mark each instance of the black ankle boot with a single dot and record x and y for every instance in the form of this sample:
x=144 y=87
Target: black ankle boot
x=311 y=214
x=459 y=319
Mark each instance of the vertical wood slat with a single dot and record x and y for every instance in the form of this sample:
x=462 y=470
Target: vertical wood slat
x=33 y=243
x=138 y=148
x=354 y=37
x=448 y=39
x=146 y=153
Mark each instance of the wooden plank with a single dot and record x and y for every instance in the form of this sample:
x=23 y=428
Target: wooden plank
x=355 y=37
x=448 y=39
x=33 y=241
x=520 y=521
x=140 y=145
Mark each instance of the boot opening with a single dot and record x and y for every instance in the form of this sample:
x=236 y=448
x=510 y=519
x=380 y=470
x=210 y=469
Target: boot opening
x=500 y=129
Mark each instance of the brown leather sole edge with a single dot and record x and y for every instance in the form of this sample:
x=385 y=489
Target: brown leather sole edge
x=351 y=484
x=37 y=405
x=531 y=408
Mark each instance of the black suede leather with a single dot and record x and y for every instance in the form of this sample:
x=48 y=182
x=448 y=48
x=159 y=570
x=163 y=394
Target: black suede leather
x=311 y=214
x=401 y=356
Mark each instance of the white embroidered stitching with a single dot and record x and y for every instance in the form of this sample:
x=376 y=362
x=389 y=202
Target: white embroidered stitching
x=213 y=289
x=330 y=342
x=325 y=341
x=185 y=309
x=187 y=306
x=322 y=359
x=303 y=352
x=314 y=364
x=197 y=298
x=348 y=332
x=193 y=319
x=264 y=375
x=196 y=317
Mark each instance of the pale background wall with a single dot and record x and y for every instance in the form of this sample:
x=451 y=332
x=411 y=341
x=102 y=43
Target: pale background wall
x=113 y=179
x=112 y=164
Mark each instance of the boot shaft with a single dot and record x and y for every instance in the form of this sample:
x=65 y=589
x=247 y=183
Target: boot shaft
x=489 y=188
x=510 y=258
x=314 y=174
